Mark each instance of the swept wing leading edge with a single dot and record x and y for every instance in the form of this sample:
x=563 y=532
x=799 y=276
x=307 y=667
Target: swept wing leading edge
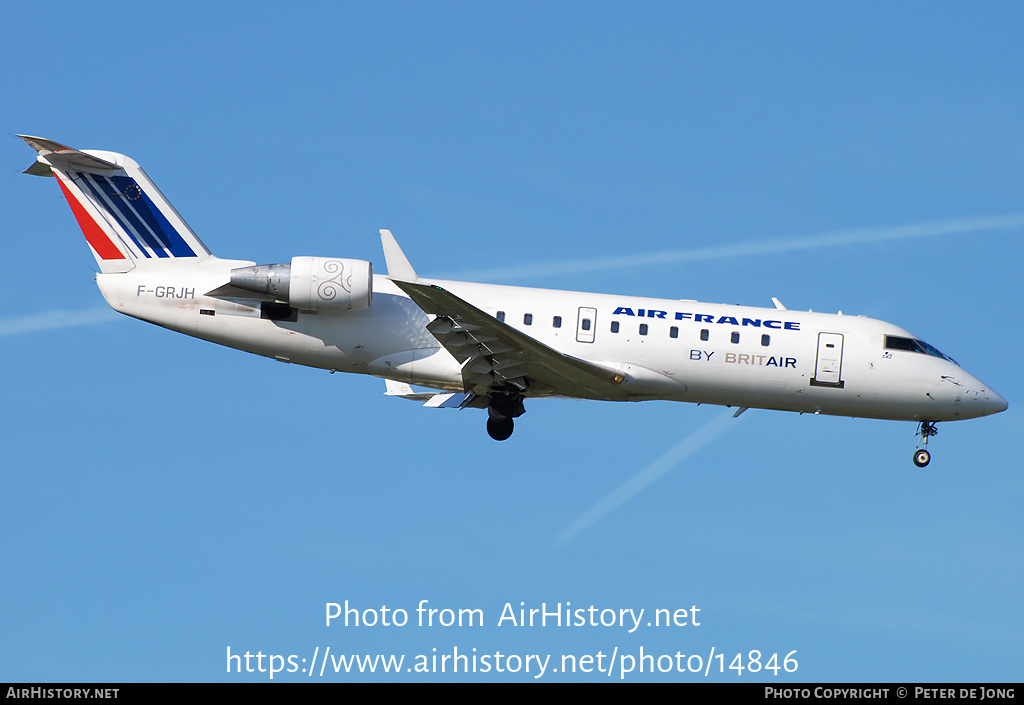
x=493 y=354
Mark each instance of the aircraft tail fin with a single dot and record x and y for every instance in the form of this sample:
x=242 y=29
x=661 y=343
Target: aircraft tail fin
x=123 y=215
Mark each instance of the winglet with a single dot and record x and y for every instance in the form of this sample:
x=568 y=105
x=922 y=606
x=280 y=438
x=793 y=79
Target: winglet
x=398 y=265
x=432 y=398
x=405 y=391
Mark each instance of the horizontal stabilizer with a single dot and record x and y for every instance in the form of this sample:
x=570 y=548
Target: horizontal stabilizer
x=49 y=148
x=38 y=169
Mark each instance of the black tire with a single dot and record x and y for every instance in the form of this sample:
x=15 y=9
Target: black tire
x=500 y=430
x=922 y=458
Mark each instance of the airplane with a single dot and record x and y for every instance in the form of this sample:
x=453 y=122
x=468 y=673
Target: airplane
x=476 y=345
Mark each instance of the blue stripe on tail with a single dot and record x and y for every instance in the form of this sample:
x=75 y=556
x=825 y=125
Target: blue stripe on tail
x=97 y=198
x=136 y=213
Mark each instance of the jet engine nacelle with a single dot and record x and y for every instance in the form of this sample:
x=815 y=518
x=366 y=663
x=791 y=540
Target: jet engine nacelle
x=311 y=283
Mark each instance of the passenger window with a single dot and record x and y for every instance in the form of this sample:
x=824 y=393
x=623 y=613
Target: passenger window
x=527 y=319
x=735 y=337
x=615 y=326
x=501 y=316
x=557 y=322
x=766 y=340
x=643 y=329
x=673 y=332
x=704 y=334
x=585 y=325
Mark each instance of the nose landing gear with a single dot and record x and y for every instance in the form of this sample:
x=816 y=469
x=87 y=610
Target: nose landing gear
x=921 y=456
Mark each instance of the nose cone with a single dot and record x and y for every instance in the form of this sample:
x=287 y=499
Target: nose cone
x=981 y=400
x=995 y=403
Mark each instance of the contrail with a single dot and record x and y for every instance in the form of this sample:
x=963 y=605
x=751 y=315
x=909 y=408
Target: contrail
x=643 y=479
x=749 y=248
x=53 y=320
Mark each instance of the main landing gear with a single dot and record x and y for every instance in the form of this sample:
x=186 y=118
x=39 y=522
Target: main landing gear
x=503 y=407
x=921 y=456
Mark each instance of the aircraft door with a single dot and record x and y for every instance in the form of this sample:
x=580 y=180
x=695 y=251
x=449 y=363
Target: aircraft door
x=828 y=369
x=586 y=325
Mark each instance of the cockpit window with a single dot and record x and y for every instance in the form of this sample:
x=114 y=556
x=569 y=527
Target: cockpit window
x=894 y=342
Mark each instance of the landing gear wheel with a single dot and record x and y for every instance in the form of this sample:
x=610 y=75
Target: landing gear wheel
x=504 y=406
x=922 y=457
x=500 y=430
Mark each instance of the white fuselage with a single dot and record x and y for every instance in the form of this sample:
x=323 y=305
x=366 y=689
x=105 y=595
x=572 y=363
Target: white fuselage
x=678 y=350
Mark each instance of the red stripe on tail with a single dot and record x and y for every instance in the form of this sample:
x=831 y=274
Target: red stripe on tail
x=94 y=234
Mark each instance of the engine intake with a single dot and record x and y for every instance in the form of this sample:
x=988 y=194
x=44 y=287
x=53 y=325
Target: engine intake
x=311 y=283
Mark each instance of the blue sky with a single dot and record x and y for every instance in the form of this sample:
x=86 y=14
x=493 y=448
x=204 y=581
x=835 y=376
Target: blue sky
x=165 y=499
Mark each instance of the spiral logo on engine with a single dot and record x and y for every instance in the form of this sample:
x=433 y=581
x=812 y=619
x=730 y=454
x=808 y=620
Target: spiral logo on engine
x=329 y=289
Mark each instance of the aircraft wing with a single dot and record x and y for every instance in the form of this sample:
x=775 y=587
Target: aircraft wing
x=494 y=354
